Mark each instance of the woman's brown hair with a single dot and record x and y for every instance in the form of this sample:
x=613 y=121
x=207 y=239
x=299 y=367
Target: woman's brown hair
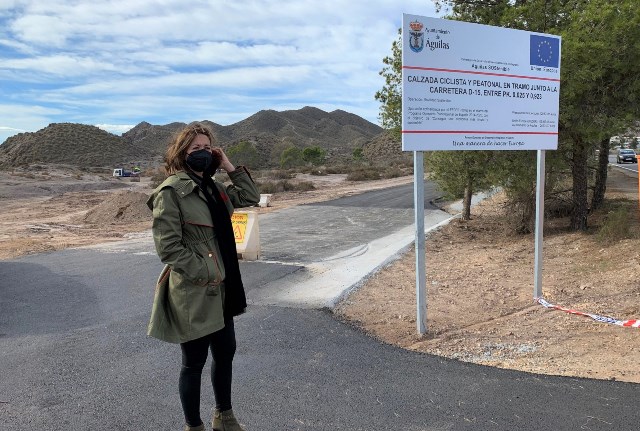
x=174 y=158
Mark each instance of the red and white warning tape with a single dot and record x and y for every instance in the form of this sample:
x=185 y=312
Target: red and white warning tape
x=633 y=323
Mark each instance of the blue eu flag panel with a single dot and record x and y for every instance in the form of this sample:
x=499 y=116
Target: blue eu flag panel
x=545 y=51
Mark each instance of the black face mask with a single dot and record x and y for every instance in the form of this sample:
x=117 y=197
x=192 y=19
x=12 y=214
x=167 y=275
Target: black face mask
x=199 y=160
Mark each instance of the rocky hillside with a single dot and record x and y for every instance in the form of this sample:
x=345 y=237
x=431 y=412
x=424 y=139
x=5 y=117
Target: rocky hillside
x=68 y=144
x=383 y=148
x=338 y=132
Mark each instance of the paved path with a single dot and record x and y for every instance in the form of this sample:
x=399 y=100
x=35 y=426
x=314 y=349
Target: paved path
x=73 y=353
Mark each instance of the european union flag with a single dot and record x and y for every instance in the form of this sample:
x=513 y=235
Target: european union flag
x=544 y=51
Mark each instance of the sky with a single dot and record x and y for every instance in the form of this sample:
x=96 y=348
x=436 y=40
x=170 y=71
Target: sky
x=116 y=63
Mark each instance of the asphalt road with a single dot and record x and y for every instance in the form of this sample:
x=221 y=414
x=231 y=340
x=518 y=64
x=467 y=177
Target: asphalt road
x=318 y=231
x=74 y=355
x=628 y=166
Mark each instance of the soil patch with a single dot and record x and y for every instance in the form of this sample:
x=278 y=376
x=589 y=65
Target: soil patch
x=44 y=208
x=120 y=207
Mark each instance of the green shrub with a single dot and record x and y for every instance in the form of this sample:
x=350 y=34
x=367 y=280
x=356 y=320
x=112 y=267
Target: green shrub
x=243 y=153
x=284 y=186
x=616 y=225
x=304 y=186
x=281 y=174
x=392 y=172
x=364 y=174
x=267 y=187
x=291 y=157
x=339 y=169
x=357 y=155
x=314 y=155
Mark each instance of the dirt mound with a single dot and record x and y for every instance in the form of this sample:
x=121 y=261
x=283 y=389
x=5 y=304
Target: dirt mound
x=120 y=207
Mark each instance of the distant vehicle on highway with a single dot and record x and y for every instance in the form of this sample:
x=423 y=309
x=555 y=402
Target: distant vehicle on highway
x=625 y=155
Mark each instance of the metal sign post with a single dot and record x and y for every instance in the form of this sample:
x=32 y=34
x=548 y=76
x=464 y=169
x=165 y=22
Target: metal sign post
x=418 y=205
x=537 y=282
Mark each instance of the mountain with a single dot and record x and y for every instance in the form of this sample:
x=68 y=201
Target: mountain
x=338 y=132
x=307 y=127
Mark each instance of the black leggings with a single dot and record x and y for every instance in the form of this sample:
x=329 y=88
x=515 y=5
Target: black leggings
x=194 y=356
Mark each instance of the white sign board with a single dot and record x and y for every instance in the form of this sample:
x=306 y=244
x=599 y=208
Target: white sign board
x=475 y=87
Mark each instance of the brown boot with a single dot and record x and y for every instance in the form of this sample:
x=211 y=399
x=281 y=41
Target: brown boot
x=225 y=421
x=198 y=428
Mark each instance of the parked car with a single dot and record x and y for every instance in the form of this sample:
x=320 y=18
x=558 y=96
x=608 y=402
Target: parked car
x=626 y=155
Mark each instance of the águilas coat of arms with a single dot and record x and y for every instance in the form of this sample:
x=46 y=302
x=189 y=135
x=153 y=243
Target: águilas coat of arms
x=416 y=36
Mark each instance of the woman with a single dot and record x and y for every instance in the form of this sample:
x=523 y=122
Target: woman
x=200 y=289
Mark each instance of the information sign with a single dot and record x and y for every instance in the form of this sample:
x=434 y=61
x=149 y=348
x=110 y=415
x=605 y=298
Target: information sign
x=475 y=87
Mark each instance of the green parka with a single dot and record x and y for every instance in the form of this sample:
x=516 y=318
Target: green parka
x=190 y=289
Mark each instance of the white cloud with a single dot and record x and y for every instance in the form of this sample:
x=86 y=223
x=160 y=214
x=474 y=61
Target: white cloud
x=41 y=30
x=63 y=65
x=18 y=46
x=116 y=129
x=192 y=83
x=26 y=114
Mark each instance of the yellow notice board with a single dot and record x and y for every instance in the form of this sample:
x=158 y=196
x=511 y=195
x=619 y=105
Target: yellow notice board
x=239 y=222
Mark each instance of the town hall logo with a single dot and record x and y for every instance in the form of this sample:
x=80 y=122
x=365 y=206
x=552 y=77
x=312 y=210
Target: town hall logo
x=416 y=36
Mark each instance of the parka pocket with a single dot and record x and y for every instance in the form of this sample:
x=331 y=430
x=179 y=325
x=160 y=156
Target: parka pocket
x=213 y=290
x=164 y=276
x=214 y=267
x=213 y=286
x=206 y=250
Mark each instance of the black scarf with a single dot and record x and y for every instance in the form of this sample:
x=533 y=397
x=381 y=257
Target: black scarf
x=235 y=301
